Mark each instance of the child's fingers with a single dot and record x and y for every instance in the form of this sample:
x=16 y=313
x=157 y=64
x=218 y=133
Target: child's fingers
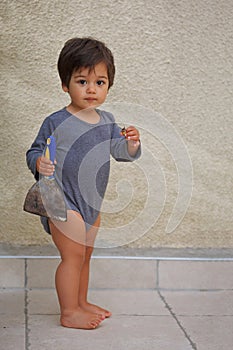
x=132 y=133
x=45 y=160
x=45 y=166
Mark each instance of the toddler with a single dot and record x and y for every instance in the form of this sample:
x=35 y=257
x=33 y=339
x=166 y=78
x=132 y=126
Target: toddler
x=85 y=138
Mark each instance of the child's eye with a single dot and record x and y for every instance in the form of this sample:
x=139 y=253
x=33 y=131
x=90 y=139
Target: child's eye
x=100 y=82
x=82 y=82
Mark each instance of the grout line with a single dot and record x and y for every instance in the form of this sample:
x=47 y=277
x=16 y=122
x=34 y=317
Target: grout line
x=201 y=290
x=193 y=345
x=27 y=344
x=157 y=275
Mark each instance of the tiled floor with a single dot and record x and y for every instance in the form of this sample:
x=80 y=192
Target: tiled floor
x=158 y=304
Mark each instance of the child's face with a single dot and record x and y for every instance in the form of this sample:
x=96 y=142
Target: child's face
x=88 y=89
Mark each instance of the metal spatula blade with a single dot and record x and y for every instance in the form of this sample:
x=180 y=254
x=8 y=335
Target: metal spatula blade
x=45 y=197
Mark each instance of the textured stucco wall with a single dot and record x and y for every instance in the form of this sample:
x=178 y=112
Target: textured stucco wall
x=172 y=57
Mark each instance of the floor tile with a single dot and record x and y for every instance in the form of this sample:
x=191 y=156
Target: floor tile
x=200 y=303
x=11 y=302
x=43 y=302
x=12 y=320
x=128 y=302
x=140 y=319
x=12 y=332
x=122 y=332
x=209 y=333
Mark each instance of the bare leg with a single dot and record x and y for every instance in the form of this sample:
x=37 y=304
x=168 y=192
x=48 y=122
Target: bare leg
x=69 y=272
x=84 y=276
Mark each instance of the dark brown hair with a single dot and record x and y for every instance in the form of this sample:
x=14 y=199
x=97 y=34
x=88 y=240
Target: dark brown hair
x=84 y=53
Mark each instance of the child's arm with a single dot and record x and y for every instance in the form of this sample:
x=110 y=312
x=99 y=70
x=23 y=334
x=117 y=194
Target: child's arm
x=133 y=137
x=125 y=147
x=34 y=156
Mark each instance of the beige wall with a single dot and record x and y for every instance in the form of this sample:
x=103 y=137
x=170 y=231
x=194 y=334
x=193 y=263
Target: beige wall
x=174 y=58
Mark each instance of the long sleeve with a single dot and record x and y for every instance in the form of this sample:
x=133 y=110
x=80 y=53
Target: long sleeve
x=38 y=146
x=119 y=147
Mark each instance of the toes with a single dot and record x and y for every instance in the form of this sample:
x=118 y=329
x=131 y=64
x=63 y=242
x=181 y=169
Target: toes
x=108 y=314
x=100 y=317
x=93 y=325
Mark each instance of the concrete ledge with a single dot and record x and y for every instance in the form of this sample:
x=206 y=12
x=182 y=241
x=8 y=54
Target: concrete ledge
x=123 y=273
x=10 y=250
x=195 y=275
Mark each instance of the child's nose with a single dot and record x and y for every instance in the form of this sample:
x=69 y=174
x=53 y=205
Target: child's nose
x=91 y=88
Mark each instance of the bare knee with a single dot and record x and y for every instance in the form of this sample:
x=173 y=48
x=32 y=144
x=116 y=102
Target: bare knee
x=74 y=257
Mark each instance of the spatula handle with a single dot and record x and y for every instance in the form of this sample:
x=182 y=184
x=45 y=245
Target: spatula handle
x=50 y=151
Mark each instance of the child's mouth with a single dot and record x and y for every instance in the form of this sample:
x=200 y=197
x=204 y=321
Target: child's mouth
x=91 y=99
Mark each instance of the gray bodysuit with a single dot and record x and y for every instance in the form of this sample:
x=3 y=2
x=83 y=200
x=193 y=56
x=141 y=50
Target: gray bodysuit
x=83 y=159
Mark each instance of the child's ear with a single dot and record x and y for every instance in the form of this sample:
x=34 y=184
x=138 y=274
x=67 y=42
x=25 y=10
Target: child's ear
x=65 y=88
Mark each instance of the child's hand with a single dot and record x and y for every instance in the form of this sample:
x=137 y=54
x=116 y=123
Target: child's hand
x=133 y=137
x=131 y=133
x=44 y=166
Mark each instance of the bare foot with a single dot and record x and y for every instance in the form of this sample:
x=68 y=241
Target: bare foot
x=81 y=319
x=96 y=309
